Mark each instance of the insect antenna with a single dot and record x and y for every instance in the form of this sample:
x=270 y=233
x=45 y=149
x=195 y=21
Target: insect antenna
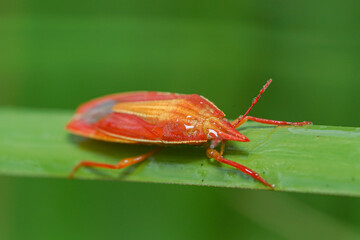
x=253 y=103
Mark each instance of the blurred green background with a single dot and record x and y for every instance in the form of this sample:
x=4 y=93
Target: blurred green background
x=57 y=54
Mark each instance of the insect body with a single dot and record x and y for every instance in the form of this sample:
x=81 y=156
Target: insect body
x=162 y=119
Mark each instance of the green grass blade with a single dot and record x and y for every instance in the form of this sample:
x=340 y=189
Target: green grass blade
x=317 y=159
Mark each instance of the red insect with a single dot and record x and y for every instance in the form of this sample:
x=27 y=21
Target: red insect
x=162 y=119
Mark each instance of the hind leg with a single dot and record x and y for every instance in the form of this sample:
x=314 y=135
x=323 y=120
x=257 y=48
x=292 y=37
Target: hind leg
x=121 y=164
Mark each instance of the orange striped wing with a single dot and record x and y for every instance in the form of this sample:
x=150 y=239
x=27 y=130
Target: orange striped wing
x=145 y=117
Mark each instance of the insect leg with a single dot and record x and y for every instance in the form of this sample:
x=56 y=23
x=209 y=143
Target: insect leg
x=222 y=147
x=267 y=121
x=121 y=164
x=212 y=153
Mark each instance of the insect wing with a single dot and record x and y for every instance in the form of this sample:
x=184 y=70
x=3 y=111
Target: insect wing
x=147 y=117
x=128 y=127
x=85 y=122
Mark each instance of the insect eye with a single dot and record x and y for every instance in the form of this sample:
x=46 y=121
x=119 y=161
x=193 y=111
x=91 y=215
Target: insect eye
x=212 y=134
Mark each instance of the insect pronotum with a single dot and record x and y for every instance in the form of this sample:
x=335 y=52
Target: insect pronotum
x=161 y=119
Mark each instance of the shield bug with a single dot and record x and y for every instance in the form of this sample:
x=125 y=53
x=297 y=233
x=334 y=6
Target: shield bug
x=162 y=119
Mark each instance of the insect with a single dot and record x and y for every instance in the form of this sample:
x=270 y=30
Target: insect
x=162 y=119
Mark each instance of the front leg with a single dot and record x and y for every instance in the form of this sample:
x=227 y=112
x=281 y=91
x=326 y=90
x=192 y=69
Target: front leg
x=212 y=153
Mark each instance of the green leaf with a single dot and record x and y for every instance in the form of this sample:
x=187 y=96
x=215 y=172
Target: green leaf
x=317 y=159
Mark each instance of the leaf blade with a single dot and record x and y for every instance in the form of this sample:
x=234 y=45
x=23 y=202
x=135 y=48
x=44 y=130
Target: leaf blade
x=317 y=159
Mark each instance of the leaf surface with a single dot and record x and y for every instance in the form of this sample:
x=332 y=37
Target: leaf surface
x=317 y=159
